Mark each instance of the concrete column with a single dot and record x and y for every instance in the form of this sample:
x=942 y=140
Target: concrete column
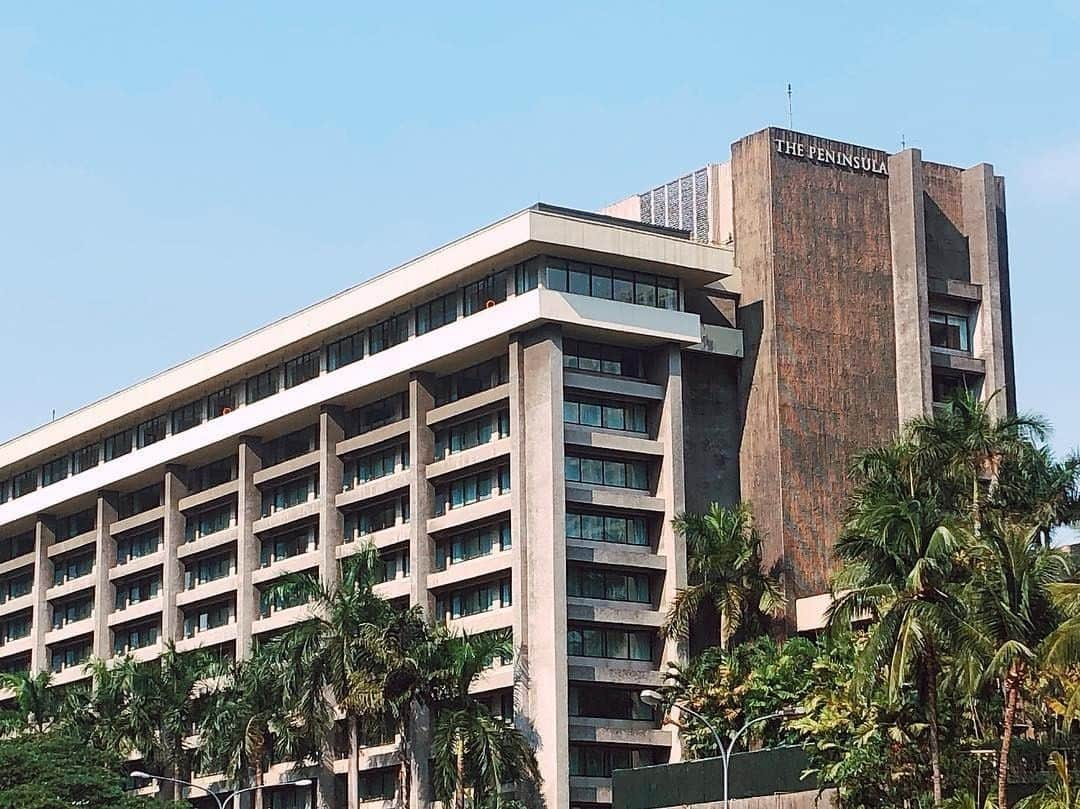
x=104 y=561
x=543 y=657
x=331 y=474
x=173 y=535
x=911 y=307
x=248 y=510
x=671 y=487
x=981 y=227
x=44 y=536
x=421 y=560
x=519 y=538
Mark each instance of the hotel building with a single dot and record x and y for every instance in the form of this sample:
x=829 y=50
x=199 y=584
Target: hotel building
x=513 y=420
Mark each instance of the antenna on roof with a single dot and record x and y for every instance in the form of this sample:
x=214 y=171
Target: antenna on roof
x=903 y=143
x=54 y=414
x=789 y=118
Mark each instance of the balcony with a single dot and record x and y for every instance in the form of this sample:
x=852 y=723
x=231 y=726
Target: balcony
x=474 y=512
x=287 y=516
x=287 y=467
x=372 y=489
x=458 y=461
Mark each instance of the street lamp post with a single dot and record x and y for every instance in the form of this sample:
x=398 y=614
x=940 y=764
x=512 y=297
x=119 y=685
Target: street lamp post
x=303 y=782
x=654 y=698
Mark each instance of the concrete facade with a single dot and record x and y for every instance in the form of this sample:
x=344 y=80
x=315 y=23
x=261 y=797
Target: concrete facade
x=514 y=420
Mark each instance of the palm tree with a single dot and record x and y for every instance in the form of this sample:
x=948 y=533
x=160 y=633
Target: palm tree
x=248 y=722
x=149 y=708
x=724 y=570
x=339 y=656
x=1059 y=793
x=1017 y=618
x=899 y=553
x=475 y=752
x=36 y=703
x=968 y=443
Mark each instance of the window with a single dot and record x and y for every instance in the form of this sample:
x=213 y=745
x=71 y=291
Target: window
x=596 y=761
x=499 y=704
x=613 y=644
x=604 y=472
x=221 y=403
x=302 y=368
x=388 y=333
x=213 y=474
x=436 y=313
x=186 y=417
x=139 y=501
x=378 y=414
x=607 y=528
x=73 y=566
x=136 y=636
x=483 y=293
x=610 y=585
x=16 y=585
x=151 y=431
x=950 y=331
x=69 y=656
x=210 y=521
x=272 y=600
x=208 y=569
x=375 y=465
x=375 y=518
x=378 y=784
x=260 y=386
x=86 y=458
x=472 y=433
x=289 y=494
x=138 y=546
x=72 y=610
x=207 y=617
x=288 y=544
x=473 y=600
x=288 y=798
x=345 y=351
x=119 y=444
x=602 y=702
x=947 y=387
x=15 y=547
x=484 y=376
x=25 y=483
x=136 y=591
x=15 y=627
x=606 y=413
x=54 y=471
x=82 y=522
x=472 y=489
x=393 y=565
x=16 y=665
x=625 y=286
x=527 y=276
x=291 y=445
x=472 y=544
x=5 y=490
x=603 y=359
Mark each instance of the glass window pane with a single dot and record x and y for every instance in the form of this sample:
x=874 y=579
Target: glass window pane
x=601 y=282
x=623 y=286
x=579 y=279
x=556 y=277
x=617 y=647
x=592 y=527
x=614 y=473
x=573 y=468
x=590 y=414
x=592 y=470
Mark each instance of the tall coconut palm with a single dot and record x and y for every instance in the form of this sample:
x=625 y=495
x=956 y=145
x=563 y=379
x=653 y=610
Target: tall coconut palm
x=149 y=708
x=900 y=566
x=475 y=753
x=36 y=703
x=248 y=722
x=968 y=442
x=724 y=570
x=1016 y=619
x=339 y=653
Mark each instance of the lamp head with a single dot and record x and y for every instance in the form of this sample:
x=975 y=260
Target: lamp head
x=793 y=711
x=140 y=774
x=653 y=698
x=303 y=782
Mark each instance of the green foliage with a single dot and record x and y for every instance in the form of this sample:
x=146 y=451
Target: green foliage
x=55 y=771
x=724 y=573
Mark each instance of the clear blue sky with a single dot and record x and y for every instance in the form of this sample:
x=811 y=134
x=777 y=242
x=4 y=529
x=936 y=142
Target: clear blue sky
x=174 y=175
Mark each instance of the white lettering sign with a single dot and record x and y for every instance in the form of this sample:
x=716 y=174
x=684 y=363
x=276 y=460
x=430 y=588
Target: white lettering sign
x=834 y=157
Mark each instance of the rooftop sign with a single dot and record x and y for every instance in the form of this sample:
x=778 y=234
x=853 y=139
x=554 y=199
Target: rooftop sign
x=844 y=157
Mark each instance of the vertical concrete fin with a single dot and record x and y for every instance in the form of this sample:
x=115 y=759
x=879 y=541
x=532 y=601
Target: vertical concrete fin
x=173 y=531
x=981 y=227
x=911 y=307
x=248 y=510
x=104 y=561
